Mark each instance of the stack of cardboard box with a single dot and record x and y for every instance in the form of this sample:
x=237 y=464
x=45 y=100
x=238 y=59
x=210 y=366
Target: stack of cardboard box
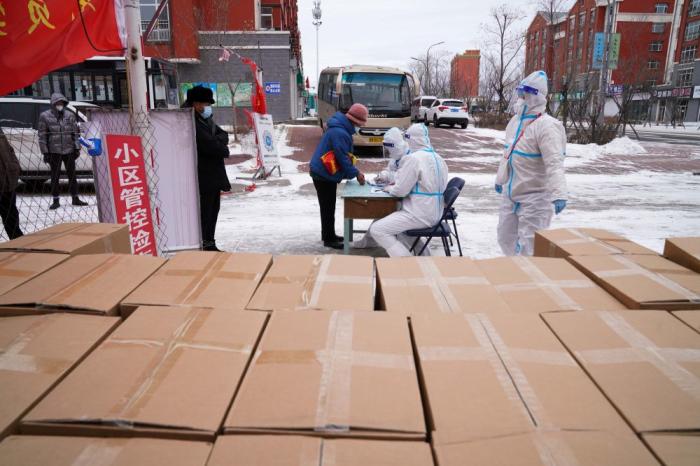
x=684 y=251
x=74 y=239
x=565 y=242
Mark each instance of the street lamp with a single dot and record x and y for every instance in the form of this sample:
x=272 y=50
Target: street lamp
x=316 y=12
x=427 y=65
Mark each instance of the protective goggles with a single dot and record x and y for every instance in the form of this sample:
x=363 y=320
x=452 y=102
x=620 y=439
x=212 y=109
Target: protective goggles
x=388 y=146
x=525 y=89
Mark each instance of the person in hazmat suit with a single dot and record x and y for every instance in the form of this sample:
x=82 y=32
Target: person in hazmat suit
x=530 y=176
x=421 y=181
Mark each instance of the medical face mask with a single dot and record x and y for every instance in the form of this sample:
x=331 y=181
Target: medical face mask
x=206 y=113
x=60 y=108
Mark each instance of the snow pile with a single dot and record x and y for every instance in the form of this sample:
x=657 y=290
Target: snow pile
x=622 y=146
x=582 y=154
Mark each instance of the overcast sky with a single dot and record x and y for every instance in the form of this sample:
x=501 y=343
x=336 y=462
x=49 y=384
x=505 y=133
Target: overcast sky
x=389 y=32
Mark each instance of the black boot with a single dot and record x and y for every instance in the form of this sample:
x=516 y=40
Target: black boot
x=79 y=203
x=210 y=246
x=333 y=244
x=55 y=205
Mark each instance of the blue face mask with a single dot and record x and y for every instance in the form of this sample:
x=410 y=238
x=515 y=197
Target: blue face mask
x=206 y=113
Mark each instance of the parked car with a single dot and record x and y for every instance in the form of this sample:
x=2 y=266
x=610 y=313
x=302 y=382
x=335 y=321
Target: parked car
x=420 y=106
x=19 y=118
x=449 y=112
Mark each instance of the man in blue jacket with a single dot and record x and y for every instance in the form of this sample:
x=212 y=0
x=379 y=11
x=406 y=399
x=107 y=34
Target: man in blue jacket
x=338 y=139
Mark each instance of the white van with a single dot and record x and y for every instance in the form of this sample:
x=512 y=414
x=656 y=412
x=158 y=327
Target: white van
x=19 y=119
x=420 y=107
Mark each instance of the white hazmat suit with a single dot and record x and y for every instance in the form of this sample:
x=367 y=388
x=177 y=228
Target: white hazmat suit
x=421 y=181
x=531 y=173
x=395 y=147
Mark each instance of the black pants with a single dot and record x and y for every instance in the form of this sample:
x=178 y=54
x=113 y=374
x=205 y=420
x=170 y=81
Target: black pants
x=9 y=214
x=55 y=164
x=326 y=192
x=209 y=205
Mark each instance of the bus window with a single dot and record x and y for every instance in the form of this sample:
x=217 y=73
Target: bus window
x=387 y=93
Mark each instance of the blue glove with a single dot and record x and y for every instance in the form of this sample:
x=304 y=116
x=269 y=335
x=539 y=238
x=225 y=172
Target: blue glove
x=559 y=205
x=498 y=188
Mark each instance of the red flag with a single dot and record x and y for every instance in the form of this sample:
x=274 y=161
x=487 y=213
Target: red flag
x=257 y=100
x=39 y=36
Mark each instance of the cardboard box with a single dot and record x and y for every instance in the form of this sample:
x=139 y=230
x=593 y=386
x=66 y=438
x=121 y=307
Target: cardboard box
x=291 y=450
x=332 y=283
x=202 y=279
x=540 y=284
x=646 y=362
x=74 y=239
x=92 y=283
x=549 y=449
x=675 y=449
x=332 y=374
x=565 y=242
x=487 y=376
x=85 y=451
x=684 y=251
x=19 y=267
x=692 y=318
x=418 y=285
x=643 y=282
x=167 y=374
x=36 y=352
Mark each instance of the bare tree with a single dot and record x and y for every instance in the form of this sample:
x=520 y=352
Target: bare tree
x=433 y=72
x=503 y=46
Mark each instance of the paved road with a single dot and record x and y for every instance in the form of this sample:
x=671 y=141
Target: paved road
x=688 y=136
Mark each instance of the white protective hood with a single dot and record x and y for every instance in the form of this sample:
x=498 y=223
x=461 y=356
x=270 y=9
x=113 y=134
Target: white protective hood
x=394 y=144
x=417 y=138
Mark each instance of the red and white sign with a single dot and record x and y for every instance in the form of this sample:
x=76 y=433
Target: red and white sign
x=132 y=205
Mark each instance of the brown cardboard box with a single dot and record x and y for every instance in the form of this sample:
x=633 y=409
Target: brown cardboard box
x=85 y=451
x=587 y=448
x=169 y=374
x=202 y=279
x=330 y=283
x=332 y=374
x=291 y=450
x=692 y=318
x=19 y=267
x=565 y=242
x=487 y=376
x=418 y=285
x=36 y=352
x=646 y=362
x=675 y=449
x=684 y=251
x=643 y=282
x=74 y=239
x=539 y=284
x=92 y=283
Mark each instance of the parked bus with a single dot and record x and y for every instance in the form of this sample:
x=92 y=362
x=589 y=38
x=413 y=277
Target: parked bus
x=386 y=92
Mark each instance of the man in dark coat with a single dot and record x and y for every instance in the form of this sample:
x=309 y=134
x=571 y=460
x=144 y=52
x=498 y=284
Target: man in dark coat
x=9 y=176
x=212 y=149
x=337 y=138
x=59 y=143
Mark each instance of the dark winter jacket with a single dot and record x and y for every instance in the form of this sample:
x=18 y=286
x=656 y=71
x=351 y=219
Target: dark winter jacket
x=58 y=131
x=212 y=149
x=338 y=138
x=9 y=165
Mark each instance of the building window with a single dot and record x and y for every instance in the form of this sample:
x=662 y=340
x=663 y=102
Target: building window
x=694 y=8
x=592 y=16
x=656 y=46
x=658 y=28
x=653 y=64
x=266 y=17
x=661 y=8
x=582 y=19
x=688 y=53
x=651 y=82
x=685 y=77
x=161 y=31
x=692 y=30
x=572 y=23
x=579 y=53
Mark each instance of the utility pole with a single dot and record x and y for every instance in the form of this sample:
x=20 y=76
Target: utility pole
x=317 y=22
x=603 y=91
x=135 y=64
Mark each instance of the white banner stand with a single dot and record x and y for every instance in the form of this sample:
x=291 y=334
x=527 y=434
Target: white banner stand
x=268 y=158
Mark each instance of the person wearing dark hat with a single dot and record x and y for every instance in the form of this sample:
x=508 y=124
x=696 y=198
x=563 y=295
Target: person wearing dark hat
x=212 y=149
x=332 y=163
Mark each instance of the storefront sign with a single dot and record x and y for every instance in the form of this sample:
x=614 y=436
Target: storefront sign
x=696 y=92
x=273 y=87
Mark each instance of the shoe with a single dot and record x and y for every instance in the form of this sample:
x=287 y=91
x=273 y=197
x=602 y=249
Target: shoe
x=333 y=244
x=211 y=247
x=55 y=205
x=339 y=239
x=79 y=203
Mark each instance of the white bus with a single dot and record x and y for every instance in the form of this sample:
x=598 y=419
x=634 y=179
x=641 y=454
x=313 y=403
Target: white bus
x=386 y=92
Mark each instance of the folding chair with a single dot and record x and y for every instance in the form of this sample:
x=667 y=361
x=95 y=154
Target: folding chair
x=452 y=213
x=441 y=229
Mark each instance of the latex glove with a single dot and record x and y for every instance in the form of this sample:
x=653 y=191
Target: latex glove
x=498 y=188
x=559 y=205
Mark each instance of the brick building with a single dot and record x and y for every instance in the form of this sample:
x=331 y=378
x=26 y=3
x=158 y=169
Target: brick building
x=464 y=74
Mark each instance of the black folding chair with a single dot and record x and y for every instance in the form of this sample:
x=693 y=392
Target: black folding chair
x=451 y=214
x=441 y=229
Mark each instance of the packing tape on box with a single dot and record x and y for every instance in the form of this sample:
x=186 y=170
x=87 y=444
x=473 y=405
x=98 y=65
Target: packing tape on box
x=328 y=453
x=98 y=453
x=553 y=450
x=643 y=349
x=336 y=360
x=88 y=277
x=158 y=369
x=311 y=297
x=6 y=271
x=582 y=238
x=39 y=238
x=632 y=268
x=12 y=359
x=554 y=289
